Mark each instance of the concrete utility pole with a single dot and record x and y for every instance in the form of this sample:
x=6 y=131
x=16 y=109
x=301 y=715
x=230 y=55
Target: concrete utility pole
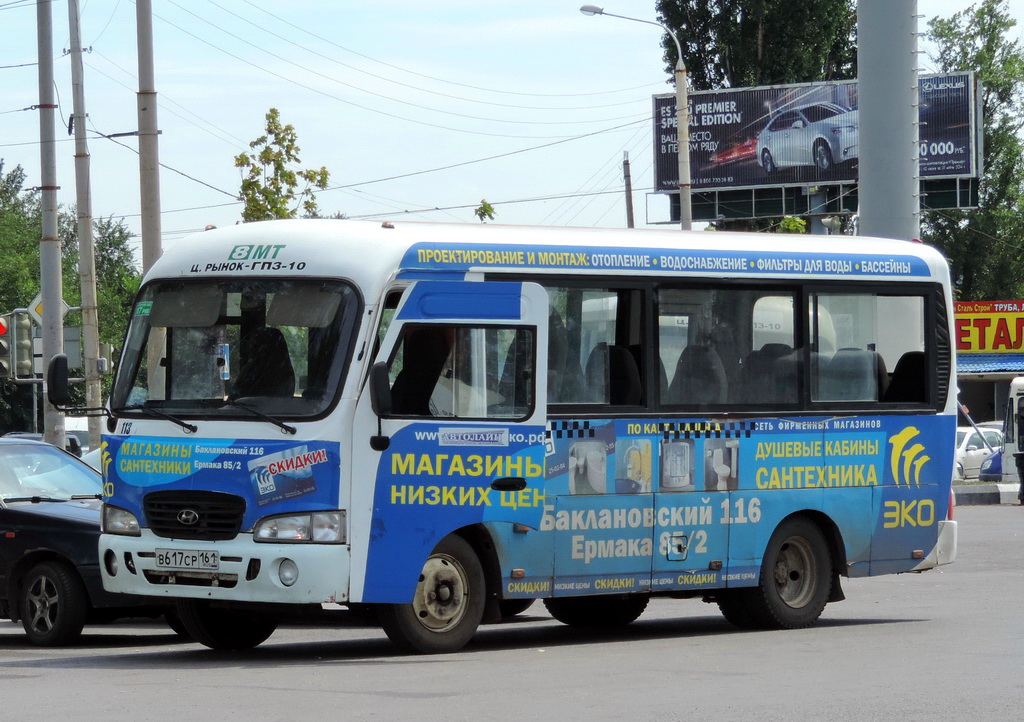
x=50 y=275
x=682 y=115
x=86 y=259
x=629 y=188
x=889 y=188
x=149 y=155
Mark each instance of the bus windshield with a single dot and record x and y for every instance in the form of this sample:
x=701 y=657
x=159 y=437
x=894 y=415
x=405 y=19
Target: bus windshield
x=207 y=348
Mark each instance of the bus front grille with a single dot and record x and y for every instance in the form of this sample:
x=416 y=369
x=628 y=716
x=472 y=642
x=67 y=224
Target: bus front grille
x=200 y=515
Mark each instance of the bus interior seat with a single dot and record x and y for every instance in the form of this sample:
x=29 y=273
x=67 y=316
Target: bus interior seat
x=516 y=376
x=596 y=375
x=424 y=352
x=564 y=374
x=267 y=369
x=612 y=376
x=853 y=374
x=700 y=377
x=819 y=369
x=909 y=382
x=624 y=382
x=770 y=374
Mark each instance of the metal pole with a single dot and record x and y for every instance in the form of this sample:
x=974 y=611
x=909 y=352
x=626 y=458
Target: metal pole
x=86 y=258
x=629 y=188
x=149 y=156
x=682 y=115
x=682 y=139
x=50 y=274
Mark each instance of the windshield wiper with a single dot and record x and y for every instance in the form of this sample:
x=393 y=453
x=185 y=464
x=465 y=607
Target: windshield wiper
x=191 y=428
x=40 y=499
x=287 y=428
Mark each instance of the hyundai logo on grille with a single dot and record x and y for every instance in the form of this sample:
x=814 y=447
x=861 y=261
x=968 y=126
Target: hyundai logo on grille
x=188 y=517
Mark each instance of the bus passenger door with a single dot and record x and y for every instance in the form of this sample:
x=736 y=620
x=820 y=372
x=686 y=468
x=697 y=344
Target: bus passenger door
x=462 y=439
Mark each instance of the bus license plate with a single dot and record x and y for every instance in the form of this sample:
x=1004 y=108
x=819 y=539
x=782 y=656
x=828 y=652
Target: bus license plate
x=187 y=559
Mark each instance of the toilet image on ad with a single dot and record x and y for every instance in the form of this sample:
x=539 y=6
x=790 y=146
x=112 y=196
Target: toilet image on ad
x=588 y=474
x=723 y=456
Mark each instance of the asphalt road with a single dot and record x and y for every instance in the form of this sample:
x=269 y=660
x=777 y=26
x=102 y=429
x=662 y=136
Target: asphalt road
x=946 y=643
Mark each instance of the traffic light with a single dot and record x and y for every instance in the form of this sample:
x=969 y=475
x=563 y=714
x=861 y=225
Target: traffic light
x=6 y=342
x=22 y=328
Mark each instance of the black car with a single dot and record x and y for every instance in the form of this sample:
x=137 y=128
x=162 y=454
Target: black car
x=49 y=534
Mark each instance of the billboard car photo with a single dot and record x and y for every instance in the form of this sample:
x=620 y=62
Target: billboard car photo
x=808 y=133
x=819 y=134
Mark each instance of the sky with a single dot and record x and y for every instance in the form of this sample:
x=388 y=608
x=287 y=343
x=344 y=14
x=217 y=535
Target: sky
x=418 y=109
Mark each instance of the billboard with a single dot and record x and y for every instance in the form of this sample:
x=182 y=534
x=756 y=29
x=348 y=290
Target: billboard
x=989 y=326
x=806 y=134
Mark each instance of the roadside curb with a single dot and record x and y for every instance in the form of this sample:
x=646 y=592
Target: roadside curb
x=977 y=494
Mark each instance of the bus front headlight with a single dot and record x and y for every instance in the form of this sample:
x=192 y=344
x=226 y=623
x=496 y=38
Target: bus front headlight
x=115 y=520
x=319 y=527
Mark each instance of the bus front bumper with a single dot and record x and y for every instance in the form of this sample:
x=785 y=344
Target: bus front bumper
x=236 y=570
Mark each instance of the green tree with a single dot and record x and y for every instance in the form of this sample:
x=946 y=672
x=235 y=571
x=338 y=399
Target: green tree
x=484 y=212
x=116 y=273
x=985 y=245
x=270 y=188
x=792 y=224
x=738 y=43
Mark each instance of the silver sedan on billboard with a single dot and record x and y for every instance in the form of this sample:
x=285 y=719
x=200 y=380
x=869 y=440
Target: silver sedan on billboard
x=818 y=134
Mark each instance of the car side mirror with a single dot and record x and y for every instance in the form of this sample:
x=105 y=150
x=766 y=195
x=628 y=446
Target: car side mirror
x=57 y=389
x=798 y=124
x=381 y=402
x=380 y=389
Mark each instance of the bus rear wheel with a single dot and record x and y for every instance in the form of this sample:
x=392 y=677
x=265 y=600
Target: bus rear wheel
x=601 y=611
x=795 y=581
x=448 y=604
x=224 y=628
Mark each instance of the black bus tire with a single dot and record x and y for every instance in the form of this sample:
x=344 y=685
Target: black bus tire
x=448 y=604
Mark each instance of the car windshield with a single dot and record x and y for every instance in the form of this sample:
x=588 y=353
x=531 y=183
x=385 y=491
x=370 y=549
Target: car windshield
x=28 y=470
x=960 y=435
x=815 y=113
x=209 y=347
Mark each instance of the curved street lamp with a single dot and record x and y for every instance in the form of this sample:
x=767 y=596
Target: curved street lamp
x=682 y=115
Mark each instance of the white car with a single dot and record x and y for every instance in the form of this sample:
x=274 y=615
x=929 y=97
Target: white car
x=818 y=134
x=971 y=448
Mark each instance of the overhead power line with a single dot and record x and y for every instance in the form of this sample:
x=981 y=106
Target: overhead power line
x=337 y=81
x=284 y=21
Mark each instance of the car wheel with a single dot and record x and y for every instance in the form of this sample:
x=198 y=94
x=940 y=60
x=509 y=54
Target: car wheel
x=767 y=162
x=822 y=155
x=223 y=628
x=447 y=606
x=53 y=603
x=175 y=623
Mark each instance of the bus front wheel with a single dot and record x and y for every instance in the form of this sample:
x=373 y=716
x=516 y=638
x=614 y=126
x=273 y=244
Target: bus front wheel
x=448 y=604
x=795 y=581
x=223 y=628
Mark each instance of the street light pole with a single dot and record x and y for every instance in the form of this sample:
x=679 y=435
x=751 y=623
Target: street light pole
x=682 y=115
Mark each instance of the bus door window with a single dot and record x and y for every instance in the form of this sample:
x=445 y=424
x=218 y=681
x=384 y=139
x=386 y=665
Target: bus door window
x=463 y=372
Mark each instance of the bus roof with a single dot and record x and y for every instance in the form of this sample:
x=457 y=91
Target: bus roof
x=370 y=253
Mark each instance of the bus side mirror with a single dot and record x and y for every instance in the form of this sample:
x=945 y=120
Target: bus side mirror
x=380 y=389
x=57 y=390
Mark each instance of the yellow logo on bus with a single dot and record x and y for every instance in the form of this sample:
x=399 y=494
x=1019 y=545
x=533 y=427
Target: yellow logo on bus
x=913 y=460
